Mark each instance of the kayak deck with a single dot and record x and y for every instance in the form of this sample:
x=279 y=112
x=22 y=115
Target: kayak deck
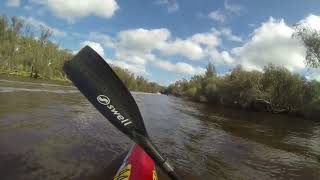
x=137 y=166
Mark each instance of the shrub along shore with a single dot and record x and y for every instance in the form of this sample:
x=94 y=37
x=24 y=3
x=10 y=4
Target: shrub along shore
x=274 y=90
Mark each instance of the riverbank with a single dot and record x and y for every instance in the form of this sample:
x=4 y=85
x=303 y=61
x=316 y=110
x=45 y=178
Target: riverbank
x=313 y=113
x=20 y=78
x=25 y=76
x=275 y=90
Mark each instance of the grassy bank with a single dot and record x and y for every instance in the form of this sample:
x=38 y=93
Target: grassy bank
x=25 y=78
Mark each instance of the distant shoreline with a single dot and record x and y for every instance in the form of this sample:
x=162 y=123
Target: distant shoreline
x=27 y=80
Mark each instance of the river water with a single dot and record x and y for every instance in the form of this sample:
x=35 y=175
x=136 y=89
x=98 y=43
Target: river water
x=52 y=132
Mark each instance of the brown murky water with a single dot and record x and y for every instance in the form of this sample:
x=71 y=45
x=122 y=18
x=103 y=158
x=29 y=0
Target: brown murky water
x=52 y=132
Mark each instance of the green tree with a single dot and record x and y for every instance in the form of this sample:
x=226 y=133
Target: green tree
x=311 y=40
x=242 y=87
x=210 y=71
x=285 y=90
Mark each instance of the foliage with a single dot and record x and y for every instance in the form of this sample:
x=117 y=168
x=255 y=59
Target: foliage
x=136 y=83
x=23 y=54
x=311 y=40
x=210 y=70
x=276 y=89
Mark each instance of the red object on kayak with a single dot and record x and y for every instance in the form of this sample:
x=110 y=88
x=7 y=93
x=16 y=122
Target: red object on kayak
x=137 y=166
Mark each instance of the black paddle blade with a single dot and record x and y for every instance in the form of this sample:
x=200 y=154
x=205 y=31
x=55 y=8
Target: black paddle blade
x=91 y=74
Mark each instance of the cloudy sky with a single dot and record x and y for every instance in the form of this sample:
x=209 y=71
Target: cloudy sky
x=166 y=40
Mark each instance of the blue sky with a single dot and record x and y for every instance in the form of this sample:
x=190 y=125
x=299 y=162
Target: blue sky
x=166 y=40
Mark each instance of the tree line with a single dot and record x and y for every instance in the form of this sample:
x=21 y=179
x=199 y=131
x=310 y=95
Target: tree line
x=136 y=83
x=275 y=90
x=24 y=54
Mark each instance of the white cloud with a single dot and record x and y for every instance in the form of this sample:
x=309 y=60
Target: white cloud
x=140 y=46
x=186 y=48
x=172 y=5
x=134 y=64
x=218 y=57
x=228 y=34
x=311 y=21
x=134 y=49
x=134 y=68
x=94 y=45
x=38 y=24
x=143 y=39
x=225 y=56
x=217 y=16
x=74 y=9
x=272 y=42
x=179 y=67
x=105 y=40
x=228 y=11
x=133 y=57
x=233 y=8
x=13 y=3
x=210 y=39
